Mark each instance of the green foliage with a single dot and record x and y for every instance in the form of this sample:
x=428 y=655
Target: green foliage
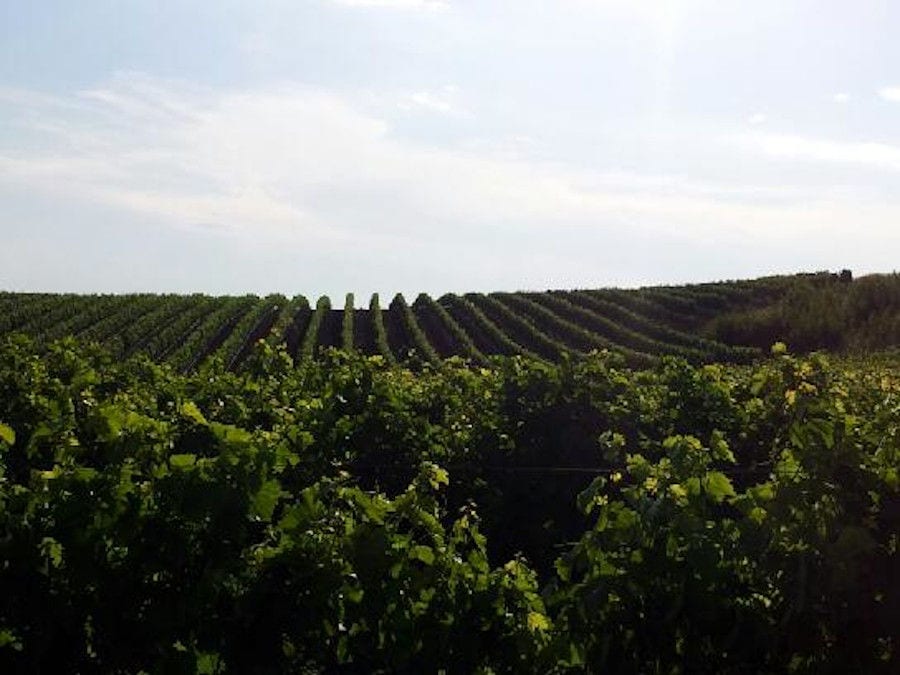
x=350 y=515
x=474 y=321
x=420 y=340
x=520 y=327
x=160 y=340
x=822 y=313
x=311 y=337
x=460 y=339
x=252 y=326
x=381 y=340
x=347 y=324
x=732 y=322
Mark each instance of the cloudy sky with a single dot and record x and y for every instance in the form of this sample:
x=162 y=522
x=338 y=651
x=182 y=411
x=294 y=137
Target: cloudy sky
x=326 y=146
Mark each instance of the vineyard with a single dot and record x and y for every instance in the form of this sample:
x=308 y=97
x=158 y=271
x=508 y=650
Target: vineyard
x=606 y=481
x=701 y=323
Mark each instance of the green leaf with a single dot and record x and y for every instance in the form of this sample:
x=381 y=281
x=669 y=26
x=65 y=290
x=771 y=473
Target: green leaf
x=85 y=473
x=440 y=477
x=435 y=475
x=824 y=429
x=719 y=448
x=108 y=422
x=192 y=412
x=590 y=497
x=692 y=486
x=763 y=492
x=758 y=382
x=230 y=433
x=422 y=553
x=50 y=474
x=208 y=663
x=9 y=639
x=182 y=461
x=537 y=622
x=343 y=649
x=718 y=486
x=788 y=468
x=679 y=493
x=266 y=499
x=563 y=570
x=353 y=594
x=374 y=508
x=891 y=477
x=52 y=550
x=7 y=434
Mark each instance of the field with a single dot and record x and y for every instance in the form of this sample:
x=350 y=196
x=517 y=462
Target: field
x=623 y=481
x=186 y=331
x=718 y=322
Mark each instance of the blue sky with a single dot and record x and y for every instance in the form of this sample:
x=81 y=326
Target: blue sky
x=425 y=145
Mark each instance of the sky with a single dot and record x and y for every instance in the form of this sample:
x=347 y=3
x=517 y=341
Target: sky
x=333 y=146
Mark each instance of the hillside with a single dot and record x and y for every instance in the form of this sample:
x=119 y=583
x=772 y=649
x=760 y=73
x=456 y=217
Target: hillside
x=319 y=511
x=733 y=321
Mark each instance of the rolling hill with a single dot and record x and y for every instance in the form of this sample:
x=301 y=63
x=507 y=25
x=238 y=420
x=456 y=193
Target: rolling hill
x=732 y=321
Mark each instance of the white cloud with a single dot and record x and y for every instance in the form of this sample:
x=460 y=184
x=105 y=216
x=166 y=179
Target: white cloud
x=890 y=94
x=515 y=147
x=444 y=101
x=305 y=166
x=783 y=146
x=841 y=97
x=757 y=119
x=396 y=4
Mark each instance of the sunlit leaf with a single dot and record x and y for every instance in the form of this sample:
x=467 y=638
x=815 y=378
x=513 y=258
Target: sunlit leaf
x=190 y=411
x=718 y=486
x=182 y=461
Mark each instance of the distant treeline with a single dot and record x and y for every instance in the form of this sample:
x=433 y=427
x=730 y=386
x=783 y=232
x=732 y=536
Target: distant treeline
x=813 y=314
